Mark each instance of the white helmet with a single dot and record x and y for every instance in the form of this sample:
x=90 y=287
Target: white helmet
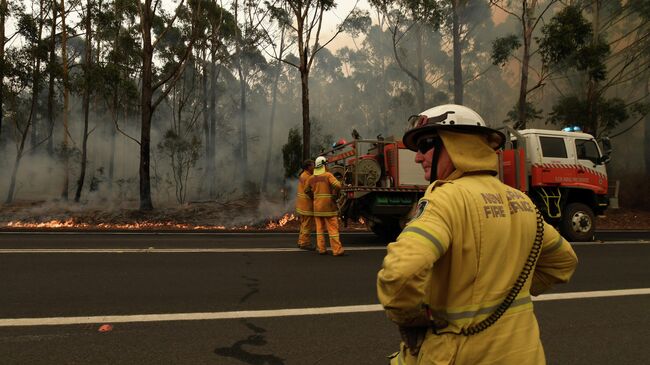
x=452 y=117
x=319 y=165
x=320 y=161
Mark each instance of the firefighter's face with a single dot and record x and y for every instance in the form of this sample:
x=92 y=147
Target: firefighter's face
x=444 y=168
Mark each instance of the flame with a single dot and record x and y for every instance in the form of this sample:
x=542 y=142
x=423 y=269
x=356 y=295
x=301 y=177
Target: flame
x=282 y=221
x=71 y=223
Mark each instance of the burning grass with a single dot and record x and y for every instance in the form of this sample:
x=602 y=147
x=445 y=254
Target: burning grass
x=237 y=215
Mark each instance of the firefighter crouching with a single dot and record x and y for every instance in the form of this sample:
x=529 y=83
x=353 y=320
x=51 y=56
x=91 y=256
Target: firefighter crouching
x=323 y=187
x=305 y=206
x=458 y=281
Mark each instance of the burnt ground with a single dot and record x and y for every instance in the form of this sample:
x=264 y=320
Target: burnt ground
x=239 y=214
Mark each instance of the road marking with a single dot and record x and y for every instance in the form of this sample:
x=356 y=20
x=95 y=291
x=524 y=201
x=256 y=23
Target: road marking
x=172 y=250
x=56 y=321
x=233 y=250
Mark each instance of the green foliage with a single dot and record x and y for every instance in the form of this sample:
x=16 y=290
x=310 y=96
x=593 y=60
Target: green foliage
x=503 y=47
x=292 y=153
x=426 y=11
x=566 y=33
x=183 y=153
x=571 y=110
x=358 y=22
x=568 y=40
x=532 y=114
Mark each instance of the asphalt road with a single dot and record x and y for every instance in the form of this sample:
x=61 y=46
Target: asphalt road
x=148 y=282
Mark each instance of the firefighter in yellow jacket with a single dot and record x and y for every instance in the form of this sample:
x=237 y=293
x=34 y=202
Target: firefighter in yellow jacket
x=323 y=187
x=305 y=206
x=458 y=281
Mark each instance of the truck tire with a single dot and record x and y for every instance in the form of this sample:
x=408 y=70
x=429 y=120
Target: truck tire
x=578 y=222
x=387 y=230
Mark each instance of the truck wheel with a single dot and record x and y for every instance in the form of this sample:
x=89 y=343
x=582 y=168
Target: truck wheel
x=387 y=231
x=577 y=222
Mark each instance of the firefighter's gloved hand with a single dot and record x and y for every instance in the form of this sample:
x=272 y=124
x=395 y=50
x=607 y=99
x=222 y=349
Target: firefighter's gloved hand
x=413 y=338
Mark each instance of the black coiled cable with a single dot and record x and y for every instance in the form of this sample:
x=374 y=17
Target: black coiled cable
x=529 y=265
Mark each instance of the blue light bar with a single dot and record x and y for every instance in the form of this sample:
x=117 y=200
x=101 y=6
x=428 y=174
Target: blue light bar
x=574 y=128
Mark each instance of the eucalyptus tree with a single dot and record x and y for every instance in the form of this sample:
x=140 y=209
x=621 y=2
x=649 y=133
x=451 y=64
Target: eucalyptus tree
x=181 y=142
x=117 y=68
x=86 y=88
x=575 y=44
x=280 y=17
x=218 y=29
x=408 y=21
x=529 y=15
x=32 y=52
x=162 y=84
x=3 y=16
x=249 y=62
x=306 y=25
x=53 y=71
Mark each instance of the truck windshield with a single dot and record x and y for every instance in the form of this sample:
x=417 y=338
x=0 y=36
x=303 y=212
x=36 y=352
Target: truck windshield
x=587 y=150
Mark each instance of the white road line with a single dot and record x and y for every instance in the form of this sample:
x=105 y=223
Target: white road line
x=172 y=250
x=53 y=321
x=231 y=250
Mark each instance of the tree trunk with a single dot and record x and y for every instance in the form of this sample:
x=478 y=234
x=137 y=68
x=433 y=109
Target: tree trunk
x=86 y=103
x=646 y=129
x=420 y=59
x=458 y=66
x=52 y=75
x=204 y=105
x=3 y=9
x=36 y=82
x=146 y=108
x=214 y=74
x=592 y=90
x=274 y=101
x=64 y=59
x=242 y=128
x=526 y=20
x=306 y=125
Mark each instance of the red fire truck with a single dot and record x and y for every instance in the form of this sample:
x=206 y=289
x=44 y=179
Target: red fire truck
x=562 y=172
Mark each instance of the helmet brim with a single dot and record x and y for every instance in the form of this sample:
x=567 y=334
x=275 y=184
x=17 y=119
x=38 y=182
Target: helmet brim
x=496 y=139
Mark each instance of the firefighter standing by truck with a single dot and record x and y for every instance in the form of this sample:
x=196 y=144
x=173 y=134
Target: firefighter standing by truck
x=305 y=206
x=458 y=281
x=323 y=187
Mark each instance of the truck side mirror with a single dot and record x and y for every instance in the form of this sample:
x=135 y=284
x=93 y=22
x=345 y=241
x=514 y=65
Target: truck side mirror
x=603 y=159
x=607 y=150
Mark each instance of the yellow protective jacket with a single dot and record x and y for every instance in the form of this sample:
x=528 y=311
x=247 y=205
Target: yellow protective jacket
x=460 y=256
x=304 y=204
x=323 y=188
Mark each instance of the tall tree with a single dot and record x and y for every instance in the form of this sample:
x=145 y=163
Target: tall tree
x=31 y=28
x=87 y=70
x=66 y=96
x=147 y=11
x=52 y=71
x=307 y=21
x=3 y=14
x=528 y=18
x=411 y=18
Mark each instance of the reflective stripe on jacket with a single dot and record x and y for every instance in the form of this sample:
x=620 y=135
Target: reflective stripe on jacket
x=323 y=189
x=460 y=256
x=304 y=204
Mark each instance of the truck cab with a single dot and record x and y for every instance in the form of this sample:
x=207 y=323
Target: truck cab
x=563 y=172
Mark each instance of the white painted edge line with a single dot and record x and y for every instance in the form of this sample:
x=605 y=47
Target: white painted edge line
x=53 y=321
x=592 y=294
x=171 y=250
x=229 y=250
